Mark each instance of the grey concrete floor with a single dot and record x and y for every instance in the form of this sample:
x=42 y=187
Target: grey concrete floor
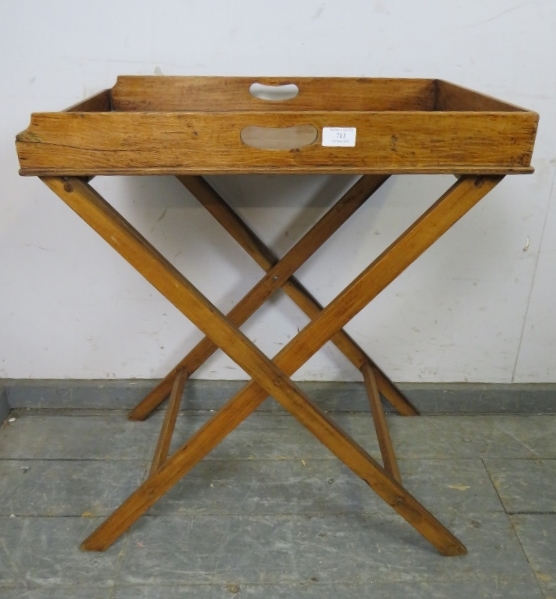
x=271 y=513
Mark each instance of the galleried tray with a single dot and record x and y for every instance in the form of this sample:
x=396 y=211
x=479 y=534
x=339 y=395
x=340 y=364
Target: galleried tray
x=219 y=125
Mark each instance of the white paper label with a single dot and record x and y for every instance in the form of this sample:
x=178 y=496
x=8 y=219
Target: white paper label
x=339 y=136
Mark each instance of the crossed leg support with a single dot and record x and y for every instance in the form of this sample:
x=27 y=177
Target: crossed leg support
x=277 y=272
x=278 y=276
x=271 y=377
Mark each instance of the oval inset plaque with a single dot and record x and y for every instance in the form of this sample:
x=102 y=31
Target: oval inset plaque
x=279 y=138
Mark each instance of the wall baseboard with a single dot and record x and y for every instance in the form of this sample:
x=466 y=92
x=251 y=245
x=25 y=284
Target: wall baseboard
x=429 y=398
x=4 y=405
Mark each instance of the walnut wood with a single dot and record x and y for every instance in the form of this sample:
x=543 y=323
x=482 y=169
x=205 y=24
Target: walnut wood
x=82 y=173
x=228 y=418
x=193 y=125
x=169 y=422
x=101 y=143
x=454 y=98
x=278 y=271
x=451 y=206
x=352 y=351
x=118 y=233
x=266 y=259
x=381 y=426
x=100 y=216
x=204 y=94
x=444 y=213
x=184 y=126
x=101 y=102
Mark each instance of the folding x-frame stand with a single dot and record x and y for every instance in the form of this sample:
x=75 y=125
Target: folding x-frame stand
x=271 y=377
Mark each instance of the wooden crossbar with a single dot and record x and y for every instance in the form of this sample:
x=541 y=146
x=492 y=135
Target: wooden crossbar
x=169 y=422
x=381 y=426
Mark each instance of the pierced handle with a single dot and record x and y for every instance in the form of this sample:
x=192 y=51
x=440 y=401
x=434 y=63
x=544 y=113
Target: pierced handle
x=274 y=93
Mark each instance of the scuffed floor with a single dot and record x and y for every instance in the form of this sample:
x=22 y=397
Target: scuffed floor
x=271 y=513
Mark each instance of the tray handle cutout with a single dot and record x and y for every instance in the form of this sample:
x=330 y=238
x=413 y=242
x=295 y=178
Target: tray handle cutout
x=274 y=93
x=279 y=138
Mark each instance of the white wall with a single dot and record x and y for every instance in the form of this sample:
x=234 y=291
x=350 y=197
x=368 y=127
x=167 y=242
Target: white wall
x=476 y=307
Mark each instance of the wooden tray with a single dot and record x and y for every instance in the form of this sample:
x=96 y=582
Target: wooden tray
x=214 y=125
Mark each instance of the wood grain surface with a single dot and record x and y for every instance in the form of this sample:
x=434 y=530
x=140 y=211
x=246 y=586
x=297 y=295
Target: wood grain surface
x=215 y=94
x=96 y=143
x=194 y=125
x=272 y=377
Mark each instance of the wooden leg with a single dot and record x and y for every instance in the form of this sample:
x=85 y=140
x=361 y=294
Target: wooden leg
x=118 y=233
x=278 y=273
x=446 y=211
x=87 y=203
x=272 y=377
x=381 y=426
x=265 y=258
x=232 y=414
x=204 y=440
x=212 y=201
x=169 y=422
